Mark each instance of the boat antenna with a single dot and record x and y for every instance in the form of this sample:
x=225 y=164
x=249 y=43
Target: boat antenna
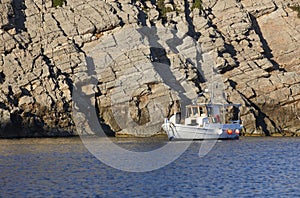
x=212 y=84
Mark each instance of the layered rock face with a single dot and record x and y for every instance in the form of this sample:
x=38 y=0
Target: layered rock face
x=143 y=58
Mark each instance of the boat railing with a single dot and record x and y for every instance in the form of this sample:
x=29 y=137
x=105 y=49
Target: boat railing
x=235 y=122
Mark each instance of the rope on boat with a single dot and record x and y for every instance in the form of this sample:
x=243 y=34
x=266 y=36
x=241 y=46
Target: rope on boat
x=172 y=127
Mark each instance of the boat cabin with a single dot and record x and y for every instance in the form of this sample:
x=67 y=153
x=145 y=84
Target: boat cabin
x=201 y=114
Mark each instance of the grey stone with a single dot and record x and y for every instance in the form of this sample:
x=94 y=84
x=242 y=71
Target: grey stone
x=40 y=64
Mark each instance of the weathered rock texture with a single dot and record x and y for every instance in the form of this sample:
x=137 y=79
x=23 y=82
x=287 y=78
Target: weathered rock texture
x=254 y=45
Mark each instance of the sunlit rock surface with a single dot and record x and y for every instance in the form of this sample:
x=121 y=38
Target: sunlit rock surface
x=140 y=79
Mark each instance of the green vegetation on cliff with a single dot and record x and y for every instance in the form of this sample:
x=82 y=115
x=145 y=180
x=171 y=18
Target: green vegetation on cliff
x=162 y=9
x=56 y=3
x=197 y=4
x=297 y=9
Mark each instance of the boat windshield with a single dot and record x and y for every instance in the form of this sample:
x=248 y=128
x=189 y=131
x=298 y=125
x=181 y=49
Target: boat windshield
x=195 y=111
x=217 y=113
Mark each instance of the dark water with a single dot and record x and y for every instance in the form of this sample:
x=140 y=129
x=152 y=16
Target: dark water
x=249 y=167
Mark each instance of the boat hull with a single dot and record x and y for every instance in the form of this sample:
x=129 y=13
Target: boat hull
x=213 y=131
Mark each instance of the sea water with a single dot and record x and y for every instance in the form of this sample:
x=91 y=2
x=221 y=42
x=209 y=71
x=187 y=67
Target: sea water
x=63 y=167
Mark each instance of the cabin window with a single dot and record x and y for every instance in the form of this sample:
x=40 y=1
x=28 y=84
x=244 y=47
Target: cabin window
x=189 y=112
x=195 y=111
x=201 y=110
x=178 y=117
x=192 y=111
x=194 y=122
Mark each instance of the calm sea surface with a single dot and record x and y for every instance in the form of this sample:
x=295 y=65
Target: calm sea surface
x=63 y=167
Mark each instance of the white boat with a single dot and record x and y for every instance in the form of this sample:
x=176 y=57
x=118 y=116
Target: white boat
x=205 y=121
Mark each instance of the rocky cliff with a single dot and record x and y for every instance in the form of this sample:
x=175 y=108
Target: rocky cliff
x=139 y=77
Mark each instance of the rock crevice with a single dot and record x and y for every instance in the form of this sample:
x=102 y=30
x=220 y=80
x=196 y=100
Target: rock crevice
x=253 y=44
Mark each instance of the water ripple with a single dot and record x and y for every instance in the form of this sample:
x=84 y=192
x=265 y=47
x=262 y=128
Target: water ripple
x=250 y=167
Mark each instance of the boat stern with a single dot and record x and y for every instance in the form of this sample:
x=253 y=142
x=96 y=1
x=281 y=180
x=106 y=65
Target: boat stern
x=231 y=131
